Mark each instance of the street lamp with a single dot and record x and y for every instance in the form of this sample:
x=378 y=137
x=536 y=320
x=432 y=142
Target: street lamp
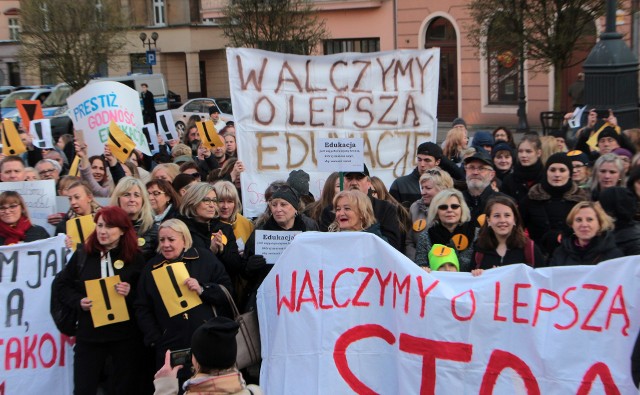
x=523 y=124
x=154 y=37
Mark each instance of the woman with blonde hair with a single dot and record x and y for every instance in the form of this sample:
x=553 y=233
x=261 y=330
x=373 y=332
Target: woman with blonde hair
x=165 y=171
x=456 y=141
x=608 y=171
x=549 y=147
x=131 y=195
x=354 y=213
x=230 y=208
x=592 y=240
x=431 y=181
x=449 y=223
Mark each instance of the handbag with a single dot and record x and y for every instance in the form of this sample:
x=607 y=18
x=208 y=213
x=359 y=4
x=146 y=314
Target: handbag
x=248 y=337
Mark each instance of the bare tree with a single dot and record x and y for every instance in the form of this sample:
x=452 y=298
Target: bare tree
x=72 y=37
x=546 y=32
x=289 y=26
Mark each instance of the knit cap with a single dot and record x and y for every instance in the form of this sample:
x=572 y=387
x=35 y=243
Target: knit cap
x=441 y=254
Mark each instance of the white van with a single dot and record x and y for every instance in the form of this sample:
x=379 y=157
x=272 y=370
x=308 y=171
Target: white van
x=156 y=83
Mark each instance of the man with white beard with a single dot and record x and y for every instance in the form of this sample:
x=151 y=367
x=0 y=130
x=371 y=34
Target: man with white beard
x=479 y=173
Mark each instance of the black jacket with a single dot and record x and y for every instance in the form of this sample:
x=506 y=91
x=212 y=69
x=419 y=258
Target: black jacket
x=477 y=203
x=601 y=248
x=148 y=241
x=490 y=258
x=545 y=216
x=628 y=239
x=71 y=289
x=35 y=232
x=406 y=189
x=518 y=183
x=175 y=332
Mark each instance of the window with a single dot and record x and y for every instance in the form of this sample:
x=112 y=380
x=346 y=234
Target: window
x=45 y=16
x=14 y=73
x=158 y=13
x=14 y=29
x=351 y=45
x=139 y=63
x=502 y=66
x=47 y=72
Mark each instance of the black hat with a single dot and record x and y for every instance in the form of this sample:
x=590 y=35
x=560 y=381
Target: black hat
x=364 y=172
x=558 y=133
x=214 y=343
x=286 y=192
x=578 y=156
x=213 y=109
x=299 y=180
x=430 y=149
x=457 y=122
x=502 y=146
x=480 y=156
x=562 y=158
x=609 y=132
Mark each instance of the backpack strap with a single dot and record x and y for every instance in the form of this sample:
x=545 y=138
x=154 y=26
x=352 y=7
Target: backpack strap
x=478 y=256
x=529 y=253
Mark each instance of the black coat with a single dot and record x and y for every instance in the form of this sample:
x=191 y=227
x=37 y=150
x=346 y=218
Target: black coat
x=628 y=238
x=518 y=183
x=545 y=216
x=601 y=248
x=175 y=332
x=71 y=289
x=406 y=189
x=490 y=258
x=148 y=241
x=477 y=203
x=35 y=232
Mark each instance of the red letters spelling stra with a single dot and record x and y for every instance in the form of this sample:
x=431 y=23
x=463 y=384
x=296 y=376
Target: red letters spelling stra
x=519 y=303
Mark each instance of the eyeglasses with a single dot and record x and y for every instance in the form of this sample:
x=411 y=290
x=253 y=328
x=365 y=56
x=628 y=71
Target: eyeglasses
x=433 y=172
x=476 y=168
x=156 y=193
x=445 y=207
x=43 y=172
x=9 y=207
x=576 y=167
x=209 y=200
x=194 y=175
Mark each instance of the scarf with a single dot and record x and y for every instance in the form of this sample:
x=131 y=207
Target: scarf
x=14 y=234
x=529 y=174
x=556 y=192
x=159 y=217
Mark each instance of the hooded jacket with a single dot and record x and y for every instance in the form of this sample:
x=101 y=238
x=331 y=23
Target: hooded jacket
x=601 y=248
x=620 y=203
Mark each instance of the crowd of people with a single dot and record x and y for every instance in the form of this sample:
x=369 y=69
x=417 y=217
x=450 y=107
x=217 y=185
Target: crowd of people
x=465 y=207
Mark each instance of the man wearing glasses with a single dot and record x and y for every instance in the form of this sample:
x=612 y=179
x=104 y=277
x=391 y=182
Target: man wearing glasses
x=480 y=172
x=48 y=169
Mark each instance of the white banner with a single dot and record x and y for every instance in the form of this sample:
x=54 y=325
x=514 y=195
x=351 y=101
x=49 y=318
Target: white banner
x=40 y=197
x=93 y=107
x=37 y=358
x=283 y=103
x=359 y=317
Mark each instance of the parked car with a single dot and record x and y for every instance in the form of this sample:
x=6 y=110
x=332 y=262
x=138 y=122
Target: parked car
x=5 y=90
x=175 y=100
x=224 y=103
x=199 y=106
x=25 y=94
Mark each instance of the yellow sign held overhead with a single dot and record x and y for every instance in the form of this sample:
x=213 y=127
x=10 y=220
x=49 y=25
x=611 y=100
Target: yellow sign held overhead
x=79 y=229
x=108 y=307
x=73 y=170
x=209 y=135
x=120 y=144
x=11 y=142
x=177 y=298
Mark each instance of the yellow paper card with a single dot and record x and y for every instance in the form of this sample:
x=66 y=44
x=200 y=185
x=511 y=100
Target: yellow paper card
x=108 y=307
x=177 y=298
x=209 y=135
x=11 y=143
x=80 y=228
x=121 y=145
x=73 y=170
x=593 y=140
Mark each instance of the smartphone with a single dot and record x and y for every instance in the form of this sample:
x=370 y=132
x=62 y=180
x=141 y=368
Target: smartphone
x=180 y=357
x=79 y=135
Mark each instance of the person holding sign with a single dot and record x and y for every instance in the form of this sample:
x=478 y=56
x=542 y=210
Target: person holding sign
x=229 y=206
x=111 y=250
x=131 y=195
x=354 y=213
x=15 y=224
x=448 y=223
x=93 y=169
x=81 y=202
x=501 y=240
x=206 y=275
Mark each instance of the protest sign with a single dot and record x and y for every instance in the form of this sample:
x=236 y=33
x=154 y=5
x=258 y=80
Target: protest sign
x=284 y=103
x=40 y=131
x=209 y=135
x=74 y=169
x=79 y=229
x=151 y=135
x=340 y=155
x=108 y=307
x=29 y=110
x=166 y=126
x=347 y=313
x=120 y=144
x=93 y=107
x=271 y=244
x=176 y=296
x=40 y=198
x=11 y=142
x=37 y=358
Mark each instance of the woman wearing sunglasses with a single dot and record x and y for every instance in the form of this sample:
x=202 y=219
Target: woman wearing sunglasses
x=449 y=223
x=501 y=240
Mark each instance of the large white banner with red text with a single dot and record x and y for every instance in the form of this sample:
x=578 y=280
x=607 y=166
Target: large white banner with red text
x=282 y=104
x=37 y=359
x=346 y=313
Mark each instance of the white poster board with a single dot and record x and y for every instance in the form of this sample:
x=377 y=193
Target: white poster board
x=37 y=358
x=284 y=103
x=93 y=107
x=346 y=155
x=40 y=197
x=271 y=244
x=40 y=130
x=344 y=313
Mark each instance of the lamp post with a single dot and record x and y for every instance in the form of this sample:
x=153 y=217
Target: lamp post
x=147 y=42
x=523 y=124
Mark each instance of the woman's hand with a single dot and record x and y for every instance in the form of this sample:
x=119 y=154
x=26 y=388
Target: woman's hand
x=477 y=272
x=203 y=152
x=217 y=246
x=85 y=304
x=160 y=139
x=238 y=168
x=194 y=285
x=68 y=242
x=166 y=370
x=55 y=219
x=123 y=288
x=111 y=160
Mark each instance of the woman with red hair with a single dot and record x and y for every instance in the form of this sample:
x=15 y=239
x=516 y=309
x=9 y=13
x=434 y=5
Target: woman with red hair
x=111 y=250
